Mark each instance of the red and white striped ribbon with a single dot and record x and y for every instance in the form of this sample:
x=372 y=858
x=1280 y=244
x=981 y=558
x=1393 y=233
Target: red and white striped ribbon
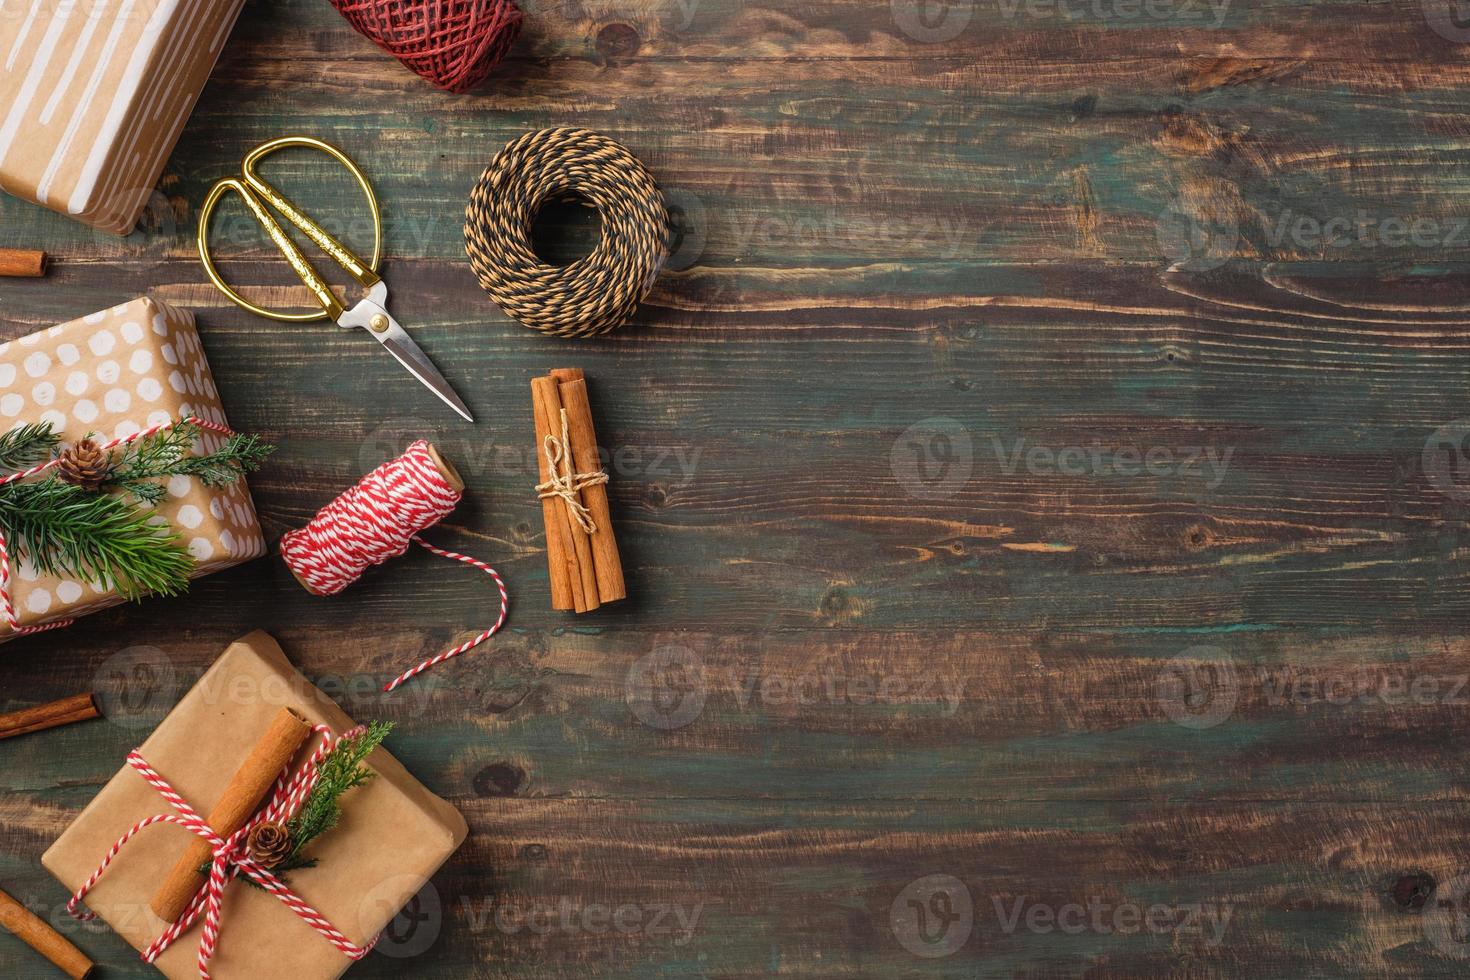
x=229 y=858
x=374 y=521
x=37 y=470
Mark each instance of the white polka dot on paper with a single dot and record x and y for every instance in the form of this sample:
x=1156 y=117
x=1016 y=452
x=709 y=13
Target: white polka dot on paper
x=176 y=382
x=132 y=331
x=7 y=375
x=124 y=429
x=68 y=592
x=44 y=393
x=11 y=405
x=68 y=354
x=178 y=485
x=108 y=372
x=119 y=309
x=201 y=549
x=167 y=350
x=228 y=540
x=95 y=317
x=27 y=571
x=149 y=389
x=38 y=601
x=160 y=324
x=37 y=364
x=97 y=587
x=85 y=410
x=54 y=418
x=77 y=382
x=117 y=400
x=102 y=342
x=141 y=361
x=30 y=340
x=216 y=508
x=190 y=516
x=159 y=417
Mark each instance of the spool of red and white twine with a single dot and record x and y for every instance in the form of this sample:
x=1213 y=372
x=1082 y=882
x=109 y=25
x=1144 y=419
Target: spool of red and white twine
x=374 y=521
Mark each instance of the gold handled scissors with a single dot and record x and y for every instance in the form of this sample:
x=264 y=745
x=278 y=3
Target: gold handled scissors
x=371 y=312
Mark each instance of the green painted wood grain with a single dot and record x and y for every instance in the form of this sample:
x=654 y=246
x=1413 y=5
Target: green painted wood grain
x=880 y=234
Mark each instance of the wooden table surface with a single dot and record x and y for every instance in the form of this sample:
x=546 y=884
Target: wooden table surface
x=1042 y=478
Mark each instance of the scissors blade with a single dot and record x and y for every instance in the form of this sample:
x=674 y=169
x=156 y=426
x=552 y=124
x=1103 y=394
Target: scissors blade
x=398 y=343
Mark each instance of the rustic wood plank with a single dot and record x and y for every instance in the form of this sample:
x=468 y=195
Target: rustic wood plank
x=872 y=637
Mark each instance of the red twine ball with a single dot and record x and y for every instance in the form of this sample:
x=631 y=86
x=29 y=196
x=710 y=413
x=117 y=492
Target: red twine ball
x=454 y=44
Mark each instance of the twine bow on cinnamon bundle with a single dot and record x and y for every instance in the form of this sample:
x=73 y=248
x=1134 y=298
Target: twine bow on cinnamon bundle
x=581 y=551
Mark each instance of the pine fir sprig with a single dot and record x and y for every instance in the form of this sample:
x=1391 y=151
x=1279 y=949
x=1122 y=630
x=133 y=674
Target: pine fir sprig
x=341 y=770
x=70 y=530
x=168 y=453
x=26 y=446
x=66 y=530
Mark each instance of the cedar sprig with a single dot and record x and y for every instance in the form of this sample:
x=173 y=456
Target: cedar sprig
x=26 y=446
x=169 y=453
x=66 y=530
x=342 y=770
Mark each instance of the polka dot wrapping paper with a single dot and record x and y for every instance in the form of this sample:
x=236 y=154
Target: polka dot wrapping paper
x=112 y=374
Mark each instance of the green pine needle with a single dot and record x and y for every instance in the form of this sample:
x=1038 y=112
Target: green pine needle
x=168 y=453
x=26 y=446
x=342 y=770
x=96 y=537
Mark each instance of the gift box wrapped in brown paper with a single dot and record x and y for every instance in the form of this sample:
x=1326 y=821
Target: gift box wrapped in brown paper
x=95 y=96
x=112 y=374
x=393 y=836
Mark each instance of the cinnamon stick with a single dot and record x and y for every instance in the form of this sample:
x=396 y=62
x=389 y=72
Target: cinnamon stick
x=23 y=262
x=35 y=933
x=78 y=707
x=576 y=549
x=558 y=544
x=238 y=803
x=607 y=565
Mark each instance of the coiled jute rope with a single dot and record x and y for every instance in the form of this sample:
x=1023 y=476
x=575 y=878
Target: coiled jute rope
x=598 y=292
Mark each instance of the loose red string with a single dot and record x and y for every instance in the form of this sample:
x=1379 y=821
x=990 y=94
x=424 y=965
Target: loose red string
x=230 y=858
x=374 y=521
x=37 y=470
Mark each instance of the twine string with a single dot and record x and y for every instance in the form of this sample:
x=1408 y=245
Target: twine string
x=229 y=858
x=564 y=483
x=376 y=520
x=8 y=605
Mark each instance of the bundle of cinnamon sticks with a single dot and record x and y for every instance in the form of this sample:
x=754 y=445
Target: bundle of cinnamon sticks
x=581 y=551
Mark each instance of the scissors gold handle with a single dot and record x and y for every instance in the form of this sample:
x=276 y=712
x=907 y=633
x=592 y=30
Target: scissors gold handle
x=257 y=193
x=370 y=312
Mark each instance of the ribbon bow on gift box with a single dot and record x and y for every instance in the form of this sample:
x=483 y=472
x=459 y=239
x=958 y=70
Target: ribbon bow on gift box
x=230 y=856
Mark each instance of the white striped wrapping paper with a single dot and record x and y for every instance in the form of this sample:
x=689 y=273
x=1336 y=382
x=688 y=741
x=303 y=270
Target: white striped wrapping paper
x=94 y=94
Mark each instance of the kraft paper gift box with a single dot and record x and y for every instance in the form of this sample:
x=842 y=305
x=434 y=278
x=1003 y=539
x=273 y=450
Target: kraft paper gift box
x=112 y=374
x=94 y=95
x=394 y=834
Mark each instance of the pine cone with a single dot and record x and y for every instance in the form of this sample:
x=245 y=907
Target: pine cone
x=84 y=464
x=269 y=844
